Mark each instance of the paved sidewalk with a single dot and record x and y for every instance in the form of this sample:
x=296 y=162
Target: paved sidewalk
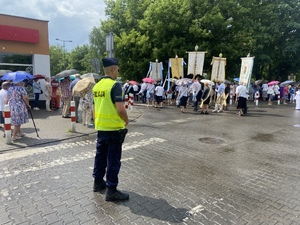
x=51 y=128
x=178 y=168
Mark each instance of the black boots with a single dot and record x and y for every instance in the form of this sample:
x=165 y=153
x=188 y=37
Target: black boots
x=99 y=185
x=113 y=194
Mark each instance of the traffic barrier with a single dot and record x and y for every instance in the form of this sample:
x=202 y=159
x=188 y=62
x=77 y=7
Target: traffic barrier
x=73 y=116
x=126 y=102
x=256 y=97
x=7 y=124
x=278 y=98
x=131 y=100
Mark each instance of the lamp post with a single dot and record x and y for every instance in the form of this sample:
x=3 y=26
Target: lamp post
x=64 y=47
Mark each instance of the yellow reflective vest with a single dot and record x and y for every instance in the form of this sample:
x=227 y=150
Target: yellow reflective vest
x=105 y=111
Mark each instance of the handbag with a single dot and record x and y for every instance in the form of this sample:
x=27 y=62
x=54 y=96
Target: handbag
x=177 y=102
x=42 y=92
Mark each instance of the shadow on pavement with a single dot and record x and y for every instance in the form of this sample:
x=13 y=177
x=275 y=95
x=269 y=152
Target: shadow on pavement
x=159 y=208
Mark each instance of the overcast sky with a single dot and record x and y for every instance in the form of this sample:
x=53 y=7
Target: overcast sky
x=68 y=19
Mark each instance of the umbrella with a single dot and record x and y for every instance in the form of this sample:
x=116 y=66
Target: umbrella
x=2 y=72
x=17 y=76
x=287 y=82
x=273 y=82
x=39 y=76
x=227 y=82
x=65 y=73
x=258 y=82
x=95 y=75
x=236 y=79
x=132 y=82
x=83 y=86
x=148 y=80
x=172 y=79
x=183 y=81
x=205 y=81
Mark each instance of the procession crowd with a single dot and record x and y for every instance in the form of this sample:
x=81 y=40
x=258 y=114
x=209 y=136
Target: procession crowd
x=201 y=93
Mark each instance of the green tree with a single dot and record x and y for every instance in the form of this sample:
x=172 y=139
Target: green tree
x=56 y=59
x=80 y=59
x=158 y=29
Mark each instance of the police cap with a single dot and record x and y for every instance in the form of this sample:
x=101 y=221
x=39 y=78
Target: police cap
x=109 y=62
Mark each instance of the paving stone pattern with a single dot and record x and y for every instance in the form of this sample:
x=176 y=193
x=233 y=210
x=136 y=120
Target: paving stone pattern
x=171 y=175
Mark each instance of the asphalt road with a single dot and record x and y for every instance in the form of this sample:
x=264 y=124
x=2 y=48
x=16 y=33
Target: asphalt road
x=179 y=168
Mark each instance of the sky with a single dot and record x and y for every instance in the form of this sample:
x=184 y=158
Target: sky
x=70 y=20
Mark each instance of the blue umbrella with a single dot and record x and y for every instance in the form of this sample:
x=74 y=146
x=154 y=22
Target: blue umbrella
x=236 y=79
x=17 y=76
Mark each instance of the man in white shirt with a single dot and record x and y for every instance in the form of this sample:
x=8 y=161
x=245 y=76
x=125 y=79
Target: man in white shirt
x=276 y=91
x=135 y=91
x=241 y=95
x=196 y=93
x=264 y=91
x=143 y=91
x=159 y=92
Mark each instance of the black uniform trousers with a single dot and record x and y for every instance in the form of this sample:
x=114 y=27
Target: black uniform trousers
x=108 y=157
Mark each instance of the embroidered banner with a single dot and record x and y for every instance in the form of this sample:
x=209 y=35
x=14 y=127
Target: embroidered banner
x=177 y=67
x=218 y=69
x=156 y=70
x=196 y=63
x=246 y=70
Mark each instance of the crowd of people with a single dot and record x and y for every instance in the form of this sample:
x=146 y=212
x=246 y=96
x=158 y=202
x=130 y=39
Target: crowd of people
x=14 y=94
x=105 y=100
x=203 y=93
x=199 y=93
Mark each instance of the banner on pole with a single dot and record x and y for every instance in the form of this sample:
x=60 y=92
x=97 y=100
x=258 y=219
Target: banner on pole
x=177 y=67
x=156 y=71
x=246 y=70
x=196 y=63
x=218 y=69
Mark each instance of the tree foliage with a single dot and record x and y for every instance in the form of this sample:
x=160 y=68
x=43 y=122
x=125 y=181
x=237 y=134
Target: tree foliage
x=146 y=30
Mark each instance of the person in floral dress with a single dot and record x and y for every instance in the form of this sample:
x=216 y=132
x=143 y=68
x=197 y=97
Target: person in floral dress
x=18 y=103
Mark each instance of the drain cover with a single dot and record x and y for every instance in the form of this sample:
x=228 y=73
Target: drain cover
x=208 y=140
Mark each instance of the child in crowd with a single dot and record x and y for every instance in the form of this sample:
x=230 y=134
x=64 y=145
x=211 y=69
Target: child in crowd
x=169 y=96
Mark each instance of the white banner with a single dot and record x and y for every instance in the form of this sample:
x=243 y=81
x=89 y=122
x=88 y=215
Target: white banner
x=196 y=63
x=246 y=70
x=156 y=71
x=218 y=69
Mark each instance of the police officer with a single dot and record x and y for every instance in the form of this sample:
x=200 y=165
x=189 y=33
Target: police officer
x=110 y=121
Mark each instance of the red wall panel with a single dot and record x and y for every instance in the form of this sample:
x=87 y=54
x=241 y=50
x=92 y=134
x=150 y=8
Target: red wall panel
x=19 y=34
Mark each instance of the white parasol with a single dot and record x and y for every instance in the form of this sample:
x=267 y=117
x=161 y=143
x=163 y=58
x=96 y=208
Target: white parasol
x=83 y=86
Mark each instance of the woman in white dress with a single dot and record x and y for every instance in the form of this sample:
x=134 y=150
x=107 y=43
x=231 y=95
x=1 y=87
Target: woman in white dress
x=297 y=98
x=48 y=93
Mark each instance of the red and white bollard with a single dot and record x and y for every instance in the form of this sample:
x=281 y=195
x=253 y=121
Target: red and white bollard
x=73 y=116
x=278 y=98
x=131 y=101
x=256 y=97
x=126 y=102
x=7 y=124
x=230 y=102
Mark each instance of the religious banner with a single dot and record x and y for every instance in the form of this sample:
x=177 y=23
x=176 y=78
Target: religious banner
x=196 y=63
x=176 y=65
x=218 y=69
x=246 y=70
x=156 y=70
